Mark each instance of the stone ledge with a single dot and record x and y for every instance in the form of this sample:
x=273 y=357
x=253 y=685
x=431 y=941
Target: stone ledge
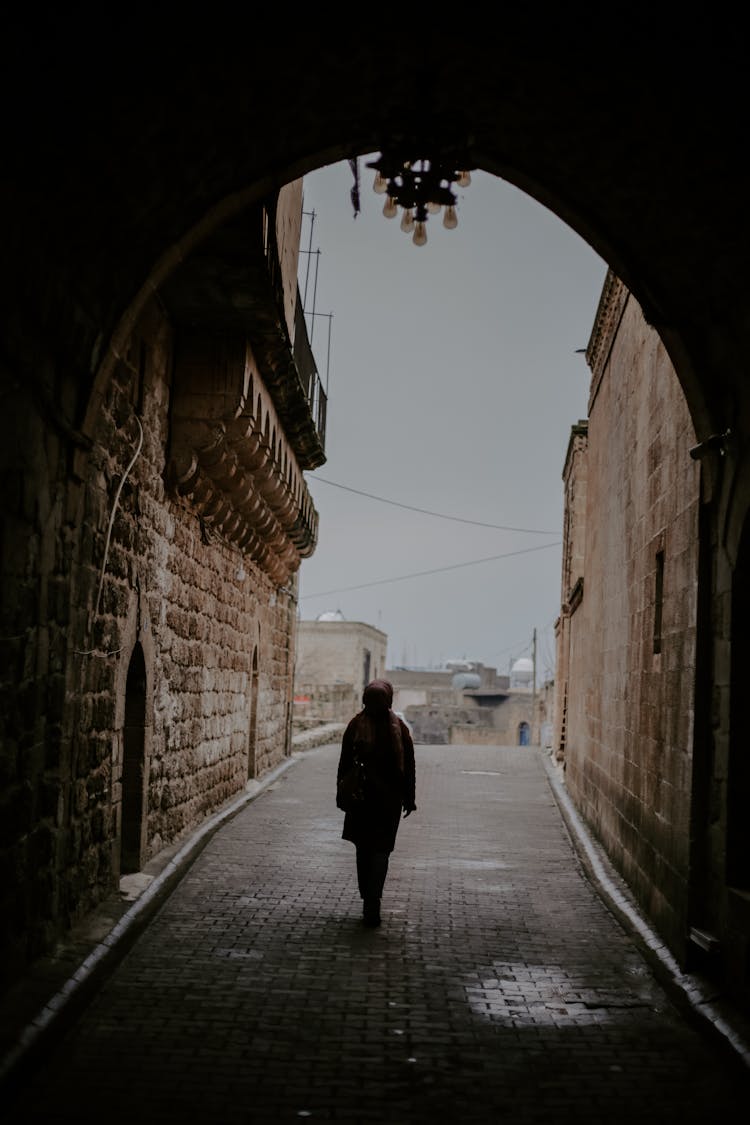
x=318 y=736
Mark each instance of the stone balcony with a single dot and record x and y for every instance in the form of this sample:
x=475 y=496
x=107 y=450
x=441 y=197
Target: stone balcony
x=231 y=459
x=248 y=409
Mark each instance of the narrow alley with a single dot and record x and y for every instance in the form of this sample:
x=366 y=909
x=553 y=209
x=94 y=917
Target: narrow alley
x=500 y=986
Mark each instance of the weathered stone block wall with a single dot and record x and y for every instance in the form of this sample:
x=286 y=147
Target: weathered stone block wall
x=408 y=697
x=432 y=723
x=630 y=708
x=573 y=573
x=143 y=571
x=468 y=735
x=204 y=608
x=35 y=608
x=508 y=715
x=324 y=703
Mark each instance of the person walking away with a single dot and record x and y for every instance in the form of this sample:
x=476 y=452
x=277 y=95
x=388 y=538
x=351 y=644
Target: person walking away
x=383 y=744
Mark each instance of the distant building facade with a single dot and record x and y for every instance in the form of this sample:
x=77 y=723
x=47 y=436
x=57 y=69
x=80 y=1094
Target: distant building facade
x=469 y=704
x=335 y=659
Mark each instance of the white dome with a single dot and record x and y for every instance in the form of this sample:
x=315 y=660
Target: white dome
x=331 y=615
x=522 y=671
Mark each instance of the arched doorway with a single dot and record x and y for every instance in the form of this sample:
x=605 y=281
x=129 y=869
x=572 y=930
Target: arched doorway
x=252 y=727
x=134 y=766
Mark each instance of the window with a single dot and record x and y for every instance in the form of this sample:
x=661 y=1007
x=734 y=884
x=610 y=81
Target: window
x=658 y=599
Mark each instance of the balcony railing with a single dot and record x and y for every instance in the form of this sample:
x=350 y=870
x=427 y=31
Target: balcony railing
x=304 y=361
x=233 y=291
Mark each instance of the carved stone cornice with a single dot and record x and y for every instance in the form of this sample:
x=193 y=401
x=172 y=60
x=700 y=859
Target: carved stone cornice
x=231 y=460
x=614 y=297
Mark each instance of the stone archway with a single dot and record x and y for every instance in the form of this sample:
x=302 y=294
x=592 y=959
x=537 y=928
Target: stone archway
x=113 y=185
x=618 y=161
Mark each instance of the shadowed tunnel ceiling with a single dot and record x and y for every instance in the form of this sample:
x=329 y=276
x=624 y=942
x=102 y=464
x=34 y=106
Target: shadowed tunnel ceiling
x=126 y=145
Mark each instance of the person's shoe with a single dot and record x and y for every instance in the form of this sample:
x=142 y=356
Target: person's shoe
x=371 y=912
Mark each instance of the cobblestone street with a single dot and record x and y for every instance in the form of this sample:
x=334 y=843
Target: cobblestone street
x=499 y=987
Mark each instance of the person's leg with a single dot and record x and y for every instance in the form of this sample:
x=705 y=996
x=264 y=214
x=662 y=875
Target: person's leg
x=378 y=872
x=364 y=863
x=368 y=883
x=378 y=869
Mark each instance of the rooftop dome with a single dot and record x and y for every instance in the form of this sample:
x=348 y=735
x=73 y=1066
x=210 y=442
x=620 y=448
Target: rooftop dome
x=522 y=672
x=331 y=615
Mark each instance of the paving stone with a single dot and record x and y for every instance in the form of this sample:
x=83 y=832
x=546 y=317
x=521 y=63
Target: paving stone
x=500 y=984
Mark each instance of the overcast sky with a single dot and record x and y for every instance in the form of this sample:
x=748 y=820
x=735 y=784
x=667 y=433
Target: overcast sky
x=453 y=381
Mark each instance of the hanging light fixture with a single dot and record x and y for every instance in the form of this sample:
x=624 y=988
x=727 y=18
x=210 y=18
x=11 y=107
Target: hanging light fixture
x=421 y=188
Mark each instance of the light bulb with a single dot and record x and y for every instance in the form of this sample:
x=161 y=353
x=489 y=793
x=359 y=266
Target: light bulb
x=450 y=219
x=381 y=184
x=420 y=235
x=433 y=208
x=407 y=221
x=390 y=210
x=463 y=179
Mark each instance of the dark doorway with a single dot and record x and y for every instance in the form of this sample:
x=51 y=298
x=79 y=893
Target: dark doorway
x=524 y=734
x=133 y=765
x=253 y=718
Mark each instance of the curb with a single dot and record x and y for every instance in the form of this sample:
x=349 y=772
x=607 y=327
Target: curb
x=326 y=735
x=69 y=1001
x=696 y=995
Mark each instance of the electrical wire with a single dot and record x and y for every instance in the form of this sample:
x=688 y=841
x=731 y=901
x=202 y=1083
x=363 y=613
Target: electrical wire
x=438 y=515
x=134 y=458
x=422 y=573
x=124 y=477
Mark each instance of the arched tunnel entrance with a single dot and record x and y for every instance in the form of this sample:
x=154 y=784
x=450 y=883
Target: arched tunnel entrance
x=157 y=184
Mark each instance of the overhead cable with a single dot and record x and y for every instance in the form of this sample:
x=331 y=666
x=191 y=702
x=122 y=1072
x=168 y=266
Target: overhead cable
x=422 y=573
x=438 y=515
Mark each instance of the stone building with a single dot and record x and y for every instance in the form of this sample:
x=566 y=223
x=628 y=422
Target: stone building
x=335 y=659
x=568 y=635
x=161 y=546
x=446 y=706
x=626 y=635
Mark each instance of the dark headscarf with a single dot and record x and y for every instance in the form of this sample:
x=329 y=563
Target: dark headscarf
x=378 y=723
x=377 y=697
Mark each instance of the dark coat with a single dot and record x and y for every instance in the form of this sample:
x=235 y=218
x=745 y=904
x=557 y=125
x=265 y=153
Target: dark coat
x=383 y=742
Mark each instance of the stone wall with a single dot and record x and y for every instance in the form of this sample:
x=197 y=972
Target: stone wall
x=468 y=735
x=508 y=716
x=629 y=745
x=168 y=663
x=575 y=482
x=324 y=703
